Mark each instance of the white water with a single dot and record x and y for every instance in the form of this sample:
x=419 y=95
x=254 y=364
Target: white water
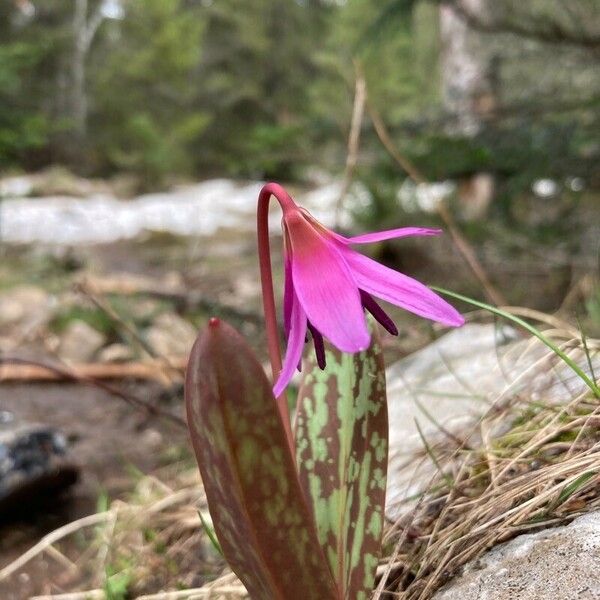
x=199 y=209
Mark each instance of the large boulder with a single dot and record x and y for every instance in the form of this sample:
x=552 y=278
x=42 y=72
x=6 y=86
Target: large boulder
x=170 y=335
x=448 y=385
x=561 y=563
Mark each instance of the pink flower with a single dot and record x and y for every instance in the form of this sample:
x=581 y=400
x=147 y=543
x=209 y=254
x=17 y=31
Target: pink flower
x=328 y=285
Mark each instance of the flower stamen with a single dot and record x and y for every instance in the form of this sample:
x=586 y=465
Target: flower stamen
x=319 y=345
x=378 y=313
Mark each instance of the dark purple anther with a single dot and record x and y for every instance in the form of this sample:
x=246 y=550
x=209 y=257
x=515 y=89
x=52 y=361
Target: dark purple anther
x=319 y=345
x=380 y=315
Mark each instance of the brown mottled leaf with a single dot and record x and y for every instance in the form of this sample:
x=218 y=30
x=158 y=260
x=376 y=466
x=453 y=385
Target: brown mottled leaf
x=261 y=519
x=341 y=449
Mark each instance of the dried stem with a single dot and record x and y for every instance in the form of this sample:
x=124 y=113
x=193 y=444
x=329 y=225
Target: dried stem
x=358 y=110
x=460 y=242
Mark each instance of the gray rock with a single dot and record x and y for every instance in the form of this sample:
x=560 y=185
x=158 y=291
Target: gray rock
x=80 y=342
x=34 y=462
x=116 y=353
x=24 y=306
x=170 y=335
x=556 y=564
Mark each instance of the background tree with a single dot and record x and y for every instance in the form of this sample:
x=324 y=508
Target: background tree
x=265 y=88
x=259 y=64
x=145 y=89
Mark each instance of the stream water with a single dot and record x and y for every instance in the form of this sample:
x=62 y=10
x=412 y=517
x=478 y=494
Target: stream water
x=198 y=209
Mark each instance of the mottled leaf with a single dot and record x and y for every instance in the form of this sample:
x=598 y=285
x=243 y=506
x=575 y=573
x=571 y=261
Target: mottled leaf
x=342 y=447
x=264 y=526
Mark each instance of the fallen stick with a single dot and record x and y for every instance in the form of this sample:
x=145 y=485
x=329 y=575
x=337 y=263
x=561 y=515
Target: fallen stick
x=204 y=592
x=148 y=370
x=87 y=595
x=358 y=110
x=71 y=374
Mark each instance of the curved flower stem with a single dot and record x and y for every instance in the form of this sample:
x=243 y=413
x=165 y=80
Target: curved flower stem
x=266 y=280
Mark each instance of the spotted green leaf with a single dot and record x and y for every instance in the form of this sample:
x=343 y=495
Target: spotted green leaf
x=261 y=519
x=341 y=450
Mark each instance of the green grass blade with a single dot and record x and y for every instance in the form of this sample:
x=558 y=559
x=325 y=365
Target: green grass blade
x=586 y=349
x=533 y=330
x=432 y=456
x=573 y=487
x=210 y=532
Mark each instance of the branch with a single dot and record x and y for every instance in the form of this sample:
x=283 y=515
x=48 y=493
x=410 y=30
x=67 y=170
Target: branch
x=8 y=366
x=552 y=33
x=91 y=28
x=461 y=243
x=358 y=109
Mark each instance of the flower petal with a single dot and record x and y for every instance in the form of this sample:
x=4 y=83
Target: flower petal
x=390 y=234
x=288 y=293
x=325 y=287
x=400 y=290
x=295 y=344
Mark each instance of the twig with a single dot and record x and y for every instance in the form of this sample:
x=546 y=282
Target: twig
x=165 y=375
x=204 y=592
x=460 y=241
x=73 y=375
x=538 y=315
x=358 y=111
x=151 y=370
x=182 y=298
x=85 y=289
x=62 y=559
x=87 y=595
x=52 y=538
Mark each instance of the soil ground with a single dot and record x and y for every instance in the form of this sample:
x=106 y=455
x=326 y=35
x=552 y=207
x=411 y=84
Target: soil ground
x=110 y=441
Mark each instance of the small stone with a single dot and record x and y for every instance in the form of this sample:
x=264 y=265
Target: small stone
x=24 y=306
x=115 y=353
x=6 y=417
x=170 y=335
x=152 y=438
x=80 y=342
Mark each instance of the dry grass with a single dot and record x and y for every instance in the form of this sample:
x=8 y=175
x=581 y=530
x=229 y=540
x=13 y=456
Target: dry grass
x=130 y=549
x=526 y=465
x=523 y=466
